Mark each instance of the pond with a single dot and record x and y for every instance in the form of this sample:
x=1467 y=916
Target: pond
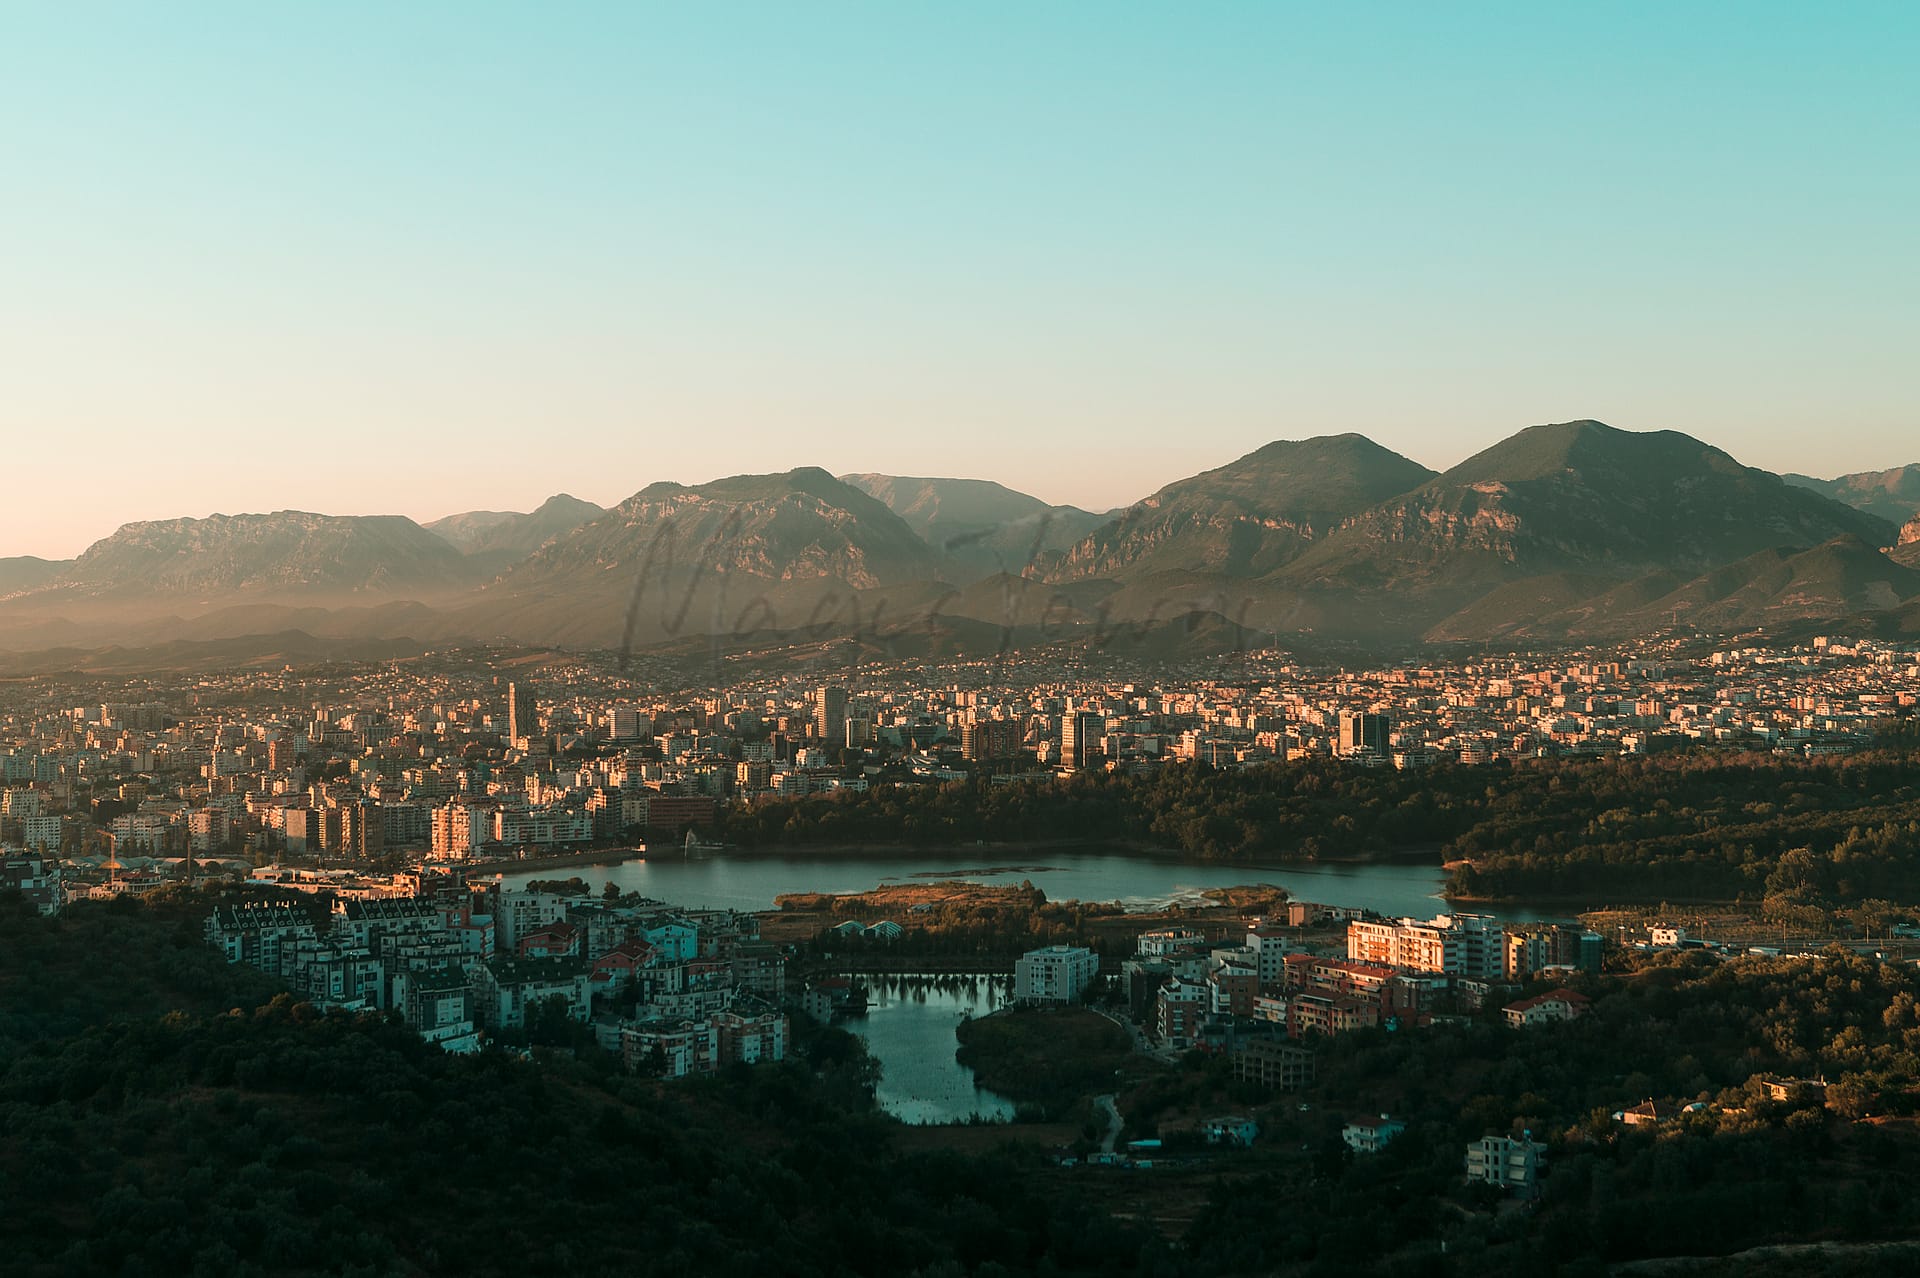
x=909 y=1028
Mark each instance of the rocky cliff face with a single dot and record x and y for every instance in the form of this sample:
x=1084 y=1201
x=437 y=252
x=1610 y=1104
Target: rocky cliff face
x=802 y=525
x=288 y=553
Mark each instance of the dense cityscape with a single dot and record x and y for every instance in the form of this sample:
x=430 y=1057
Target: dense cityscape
x=452 y=757
x=917 y=641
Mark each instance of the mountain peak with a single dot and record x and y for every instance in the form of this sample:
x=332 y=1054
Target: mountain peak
x=1633 y=457
x=1578 y=498
x=1251 y=515
x=566 y=502
x=495 y=538
x=801 y=525
x=984 y=527
x=1347 y=443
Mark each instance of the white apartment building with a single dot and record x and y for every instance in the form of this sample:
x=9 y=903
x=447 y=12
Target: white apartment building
x=1056 y=974
x=1508 y=1162
x=1468 y=945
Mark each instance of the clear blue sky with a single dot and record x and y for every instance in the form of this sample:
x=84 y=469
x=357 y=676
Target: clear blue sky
x=424 y=258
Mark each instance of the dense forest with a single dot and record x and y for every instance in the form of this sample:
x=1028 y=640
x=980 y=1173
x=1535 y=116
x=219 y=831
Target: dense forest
x=1691 y=825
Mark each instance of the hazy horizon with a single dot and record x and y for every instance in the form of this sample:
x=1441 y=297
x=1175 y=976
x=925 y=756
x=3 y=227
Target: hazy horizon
x=418 y=260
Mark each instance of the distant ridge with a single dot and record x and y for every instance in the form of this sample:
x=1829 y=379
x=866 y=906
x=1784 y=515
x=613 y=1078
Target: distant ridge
x=25 y=572
x=496 y=539
x=984 y=526
x=1893 y=495
x=286 y=553
x=1568 y=531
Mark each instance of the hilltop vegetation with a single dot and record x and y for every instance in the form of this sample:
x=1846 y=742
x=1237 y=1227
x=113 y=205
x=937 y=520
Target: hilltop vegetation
x=1051 y=1057
x=1743 y=1171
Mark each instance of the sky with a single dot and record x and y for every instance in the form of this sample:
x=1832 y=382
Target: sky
x=421 y=258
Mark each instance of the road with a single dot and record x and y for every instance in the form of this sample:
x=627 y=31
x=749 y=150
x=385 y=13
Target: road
x=1141 y=1043
x=1112 y=1137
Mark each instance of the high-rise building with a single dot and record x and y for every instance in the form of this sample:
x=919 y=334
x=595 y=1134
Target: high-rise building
x=990 y=739
x=830 y=714
x=1467 y=945
x=520 y=715
x=1364 y=733
x=460 y=829
x=1080 y=738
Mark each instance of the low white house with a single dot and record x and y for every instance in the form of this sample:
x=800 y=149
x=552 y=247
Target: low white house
x=1238 y=1131
x=1371 y=1135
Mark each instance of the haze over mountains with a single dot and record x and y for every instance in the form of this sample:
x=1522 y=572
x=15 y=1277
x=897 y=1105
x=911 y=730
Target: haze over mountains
x=986 y=526
x=1891 y=494
x=495 y=539
x=1563 y=532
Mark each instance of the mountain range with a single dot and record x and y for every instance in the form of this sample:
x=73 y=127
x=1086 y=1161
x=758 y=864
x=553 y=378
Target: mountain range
x=1566 y=532
x=1891 y=494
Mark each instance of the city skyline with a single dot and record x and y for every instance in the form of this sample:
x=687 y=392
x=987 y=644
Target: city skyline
x=433 y=260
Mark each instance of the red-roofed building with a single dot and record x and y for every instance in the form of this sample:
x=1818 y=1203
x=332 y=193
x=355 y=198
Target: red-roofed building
x=619 y=968
x=553 y=940
x=1336 y=975
x=1329 y=1013
x=1542 y=1009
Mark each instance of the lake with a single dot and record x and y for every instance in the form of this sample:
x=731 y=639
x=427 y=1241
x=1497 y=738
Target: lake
x=909 y=1029
x=751 y=880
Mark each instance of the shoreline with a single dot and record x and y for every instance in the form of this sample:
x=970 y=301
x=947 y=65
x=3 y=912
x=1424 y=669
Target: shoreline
x=1013 y=856
x=573 y=861
x=1702 y=902
x=1425 y=856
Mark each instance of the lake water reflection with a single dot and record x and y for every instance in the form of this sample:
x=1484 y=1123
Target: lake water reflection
x=909 y=1029
x=750 y=881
